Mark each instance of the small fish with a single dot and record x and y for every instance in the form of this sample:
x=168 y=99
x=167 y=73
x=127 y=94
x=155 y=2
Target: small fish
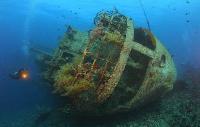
x=187 y=1
x=58 y=29
x=187 y=13
x=174 y=9
x=187 y=21
x=63 y=16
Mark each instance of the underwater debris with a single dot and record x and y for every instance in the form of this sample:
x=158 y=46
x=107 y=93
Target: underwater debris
x=49 y=116
x=114 y=68
x=41 y=118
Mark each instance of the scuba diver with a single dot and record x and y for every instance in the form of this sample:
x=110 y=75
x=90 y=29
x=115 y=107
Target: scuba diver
x=20 y=74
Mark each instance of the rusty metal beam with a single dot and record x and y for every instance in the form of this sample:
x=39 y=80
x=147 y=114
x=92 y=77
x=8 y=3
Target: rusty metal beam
x=142 y=49
x=107 y=89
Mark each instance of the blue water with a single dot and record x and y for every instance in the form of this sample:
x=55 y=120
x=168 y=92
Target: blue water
x=43 y=22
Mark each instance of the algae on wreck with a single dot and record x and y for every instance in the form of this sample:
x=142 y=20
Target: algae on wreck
x=113 y=68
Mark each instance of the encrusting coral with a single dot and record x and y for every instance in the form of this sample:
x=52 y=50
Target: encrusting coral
x=69 y=85
x=79 y=87
x=63 y=78
x=113 y=37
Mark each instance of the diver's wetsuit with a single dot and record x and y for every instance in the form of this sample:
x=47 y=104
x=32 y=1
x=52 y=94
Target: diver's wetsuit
x=17 y=75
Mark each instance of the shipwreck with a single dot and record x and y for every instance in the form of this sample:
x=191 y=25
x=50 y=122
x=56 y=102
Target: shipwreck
x=115 y=67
